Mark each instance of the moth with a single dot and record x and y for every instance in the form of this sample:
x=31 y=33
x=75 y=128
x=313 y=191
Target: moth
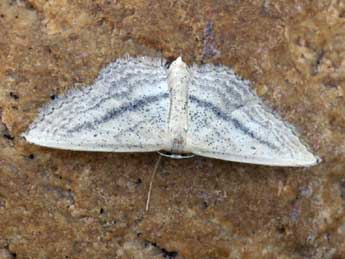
x=137 y=104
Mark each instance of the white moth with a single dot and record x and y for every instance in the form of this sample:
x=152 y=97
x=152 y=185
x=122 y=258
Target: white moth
x=139 y=105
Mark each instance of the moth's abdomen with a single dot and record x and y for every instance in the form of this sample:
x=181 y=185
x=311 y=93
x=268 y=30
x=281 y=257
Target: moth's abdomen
x=178 y=81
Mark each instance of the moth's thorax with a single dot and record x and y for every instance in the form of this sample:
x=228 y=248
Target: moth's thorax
x=178 y=80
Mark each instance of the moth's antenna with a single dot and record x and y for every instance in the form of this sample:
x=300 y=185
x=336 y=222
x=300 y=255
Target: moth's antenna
x=151 y=182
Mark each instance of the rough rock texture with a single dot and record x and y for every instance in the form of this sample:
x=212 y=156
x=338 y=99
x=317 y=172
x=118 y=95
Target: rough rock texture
x=62 y=204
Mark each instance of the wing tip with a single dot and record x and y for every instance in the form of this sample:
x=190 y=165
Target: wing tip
x=27 y=136
x=315 y=160
x=24 y=135
x=307 y=160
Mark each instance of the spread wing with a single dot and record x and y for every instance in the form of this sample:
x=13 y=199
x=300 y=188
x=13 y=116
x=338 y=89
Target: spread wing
x=228 y=121
x=125 y=110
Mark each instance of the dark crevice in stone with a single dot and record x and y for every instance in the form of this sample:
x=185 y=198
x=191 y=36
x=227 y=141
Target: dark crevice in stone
x=4 y=130
x=14 y=95
x=23 y=3
x=11 y=253
x=165 y=253
x=8 y=136
x=31 y=156
x=281 y=229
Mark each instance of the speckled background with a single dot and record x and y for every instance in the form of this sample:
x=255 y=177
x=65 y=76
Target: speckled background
x=62 y=204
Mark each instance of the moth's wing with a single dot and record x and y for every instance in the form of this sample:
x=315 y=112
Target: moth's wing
x=228 y=121
x=125 y=110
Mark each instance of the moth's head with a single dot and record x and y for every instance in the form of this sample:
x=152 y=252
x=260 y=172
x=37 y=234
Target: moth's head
x=178 y=64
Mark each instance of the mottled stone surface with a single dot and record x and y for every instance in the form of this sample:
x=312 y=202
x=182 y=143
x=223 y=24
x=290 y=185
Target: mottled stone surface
x=61 y=204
